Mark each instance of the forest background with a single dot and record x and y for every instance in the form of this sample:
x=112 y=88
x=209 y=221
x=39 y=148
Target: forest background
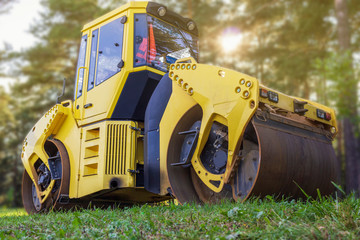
x=307 y=48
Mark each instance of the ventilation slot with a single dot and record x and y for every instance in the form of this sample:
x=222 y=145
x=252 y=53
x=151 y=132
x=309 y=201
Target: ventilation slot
x=116 y=149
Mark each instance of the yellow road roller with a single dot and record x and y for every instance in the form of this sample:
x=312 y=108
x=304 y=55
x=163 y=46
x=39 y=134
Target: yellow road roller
x=149 y=123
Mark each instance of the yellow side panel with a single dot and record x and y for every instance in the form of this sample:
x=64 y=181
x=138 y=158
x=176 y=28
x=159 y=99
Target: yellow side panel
x=33 y=146
x=59 y=123
x=223 y=99
x=107 y=155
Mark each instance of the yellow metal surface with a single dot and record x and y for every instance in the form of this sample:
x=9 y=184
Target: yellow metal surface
x=107 y=154
x=223 y=99
x=286 y=102
x=108 y=88
x=132 y=5
x=33 y=146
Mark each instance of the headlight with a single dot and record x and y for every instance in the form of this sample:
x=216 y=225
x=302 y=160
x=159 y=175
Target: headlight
x=161 y=11
x=191 y=25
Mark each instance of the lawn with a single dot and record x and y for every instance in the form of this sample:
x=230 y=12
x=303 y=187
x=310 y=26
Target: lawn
x=326 y=218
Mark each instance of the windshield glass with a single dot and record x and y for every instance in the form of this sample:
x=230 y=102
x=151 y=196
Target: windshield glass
x=160 y=43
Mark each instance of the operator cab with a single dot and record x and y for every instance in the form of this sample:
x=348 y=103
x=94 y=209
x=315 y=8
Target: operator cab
x=123 y=55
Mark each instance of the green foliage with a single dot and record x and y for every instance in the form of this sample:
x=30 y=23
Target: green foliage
x=338 y=69
x=265 y=219
x=282 y=40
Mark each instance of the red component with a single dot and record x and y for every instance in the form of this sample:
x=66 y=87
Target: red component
x=143 y=48
x=263 y=93
x=152 y=49
x=327 y=116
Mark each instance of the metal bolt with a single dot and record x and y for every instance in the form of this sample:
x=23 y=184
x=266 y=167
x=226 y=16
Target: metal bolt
x=221 y=73
x=248 y=84
x=333 y=130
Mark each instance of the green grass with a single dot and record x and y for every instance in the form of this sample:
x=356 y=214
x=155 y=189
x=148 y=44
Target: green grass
x=265 y=219
x=5 y=212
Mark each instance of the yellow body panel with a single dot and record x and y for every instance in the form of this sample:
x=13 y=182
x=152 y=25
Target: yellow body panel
x=33 y=150
x=286 y=102
x=222 y=98
x=108 y=156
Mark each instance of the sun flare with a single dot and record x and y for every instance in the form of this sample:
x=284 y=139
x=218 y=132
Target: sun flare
x=230 y=41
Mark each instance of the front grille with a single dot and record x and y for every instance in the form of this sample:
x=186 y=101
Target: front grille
x=116 y=149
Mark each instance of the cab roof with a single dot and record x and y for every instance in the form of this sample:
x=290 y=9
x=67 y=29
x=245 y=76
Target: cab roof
x=151 y=8
x=115 y=12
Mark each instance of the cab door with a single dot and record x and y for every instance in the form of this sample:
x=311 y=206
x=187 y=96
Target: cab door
x=80 y=76
x=105 y=64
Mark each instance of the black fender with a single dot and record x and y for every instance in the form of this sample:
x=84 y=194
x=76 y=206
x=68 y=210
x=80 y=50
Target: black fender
x=153 y=115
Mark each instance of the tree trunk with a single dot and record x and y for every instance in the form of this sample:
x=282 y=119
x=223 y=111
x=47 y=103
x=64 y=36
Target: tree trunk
x=352 y=163
x=189 y=4
x=343 y=24
x=352 y=159
x=15 y=183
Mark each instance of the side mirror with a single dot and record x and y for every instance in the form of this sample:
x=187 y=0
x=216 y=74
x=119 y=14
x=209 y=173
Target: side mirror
x=63 y=92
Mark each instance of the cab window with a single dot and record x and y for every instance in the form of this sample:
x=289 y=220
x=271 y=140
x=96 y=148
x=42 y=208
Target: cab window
x=110 y=50
x=94 y=42
x=79 y=77
x=158 y=43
